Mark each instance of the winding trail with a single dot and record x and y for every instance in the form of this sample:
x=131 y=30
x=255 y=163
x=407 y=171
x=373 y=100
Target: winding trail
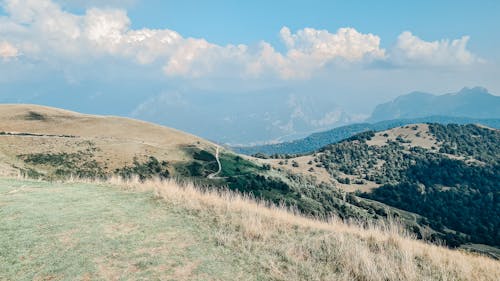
x=213 y=175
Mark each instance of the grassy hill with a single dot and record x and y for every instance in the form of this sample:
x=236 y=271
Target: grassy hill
x=163 y=231
x=48 y=141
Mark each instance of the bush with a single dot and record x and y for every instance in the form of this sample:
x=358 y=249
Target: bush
x=147 y=170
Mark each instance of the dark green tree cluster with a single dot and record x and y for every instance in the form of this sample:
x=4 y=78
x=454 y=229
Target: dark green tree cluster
x=152 y=168
x=299 y=192
x=451 y=193
x=469 y=141
x=78 y=164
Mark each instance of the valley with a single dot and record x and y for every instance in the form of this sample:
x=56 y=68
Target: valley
x=249 y=140
x=367 y=177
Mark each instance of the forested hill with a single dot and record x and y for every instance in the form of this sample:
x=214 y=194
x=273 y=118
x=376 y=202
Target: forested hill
x=321 y=139
x=448 y=174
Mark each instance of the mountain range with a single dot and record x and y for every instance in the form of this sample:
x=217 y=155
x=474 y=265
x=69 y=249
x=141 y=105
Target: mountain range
x=469 y=102
x=235 y=118
x=468 y=106
x=316 y=141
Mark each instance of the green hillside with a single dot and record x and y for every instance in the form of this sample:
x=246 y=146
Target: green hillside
x=448 y=174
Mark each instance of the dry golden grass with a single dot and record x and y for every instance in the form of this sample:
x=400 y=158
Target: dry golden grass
x=320 y=173
x=19 y=118
x=118 y=140
x=288 y=246
x=415 y=134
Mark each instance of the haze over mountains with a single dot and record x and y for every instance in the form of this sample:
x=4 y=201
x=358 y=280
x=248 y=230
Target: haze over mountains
x=264 y=117
x=245 y=118
x=469 y=105
x=469 y=102
x=316 y=141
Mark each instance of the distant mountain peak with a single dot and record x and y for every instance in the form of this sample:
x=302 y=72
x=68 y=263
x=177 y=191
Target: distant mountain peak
x=475 y=102
x=473 y=91
x=413 y=95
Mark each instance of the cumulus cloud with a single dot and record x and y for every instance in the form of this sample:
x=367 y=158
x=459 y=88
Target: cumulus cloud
x=41 y=29
x=310 y=49
x=7 y=50
x=410 y=49
x=322 y=45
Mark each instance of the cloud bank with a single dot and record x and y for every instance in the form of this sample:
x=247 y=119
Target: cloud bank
x=42 y=30
x=410 y=49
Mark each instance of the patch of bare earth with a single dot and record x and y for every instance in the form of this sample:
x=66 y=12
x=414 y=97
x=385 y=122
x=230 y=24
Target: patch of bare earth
x=366 y=186
x=185 y=272
x=118 y=229
x=47 y=277
x=67 y=238
x=166 y=242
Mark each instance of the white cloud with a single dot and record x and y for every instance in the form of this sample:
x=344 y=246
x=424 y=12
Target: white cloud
x=28 y=11
x=106 y=26
x=96 y=3
x=41 y=29
x=322 y=45
x=7 y=50
x=309 y=50
x=411 y=50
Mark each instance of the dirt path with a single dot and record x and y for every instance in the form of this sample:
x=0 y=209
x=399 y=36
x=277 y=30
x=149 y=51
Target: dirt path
x=213 y=175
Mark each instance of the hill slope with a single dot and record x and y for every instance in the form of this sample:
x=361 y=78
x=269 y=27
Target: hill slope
x=469 y=102
x=104 y=143
x=99 y=232
x=447 y=174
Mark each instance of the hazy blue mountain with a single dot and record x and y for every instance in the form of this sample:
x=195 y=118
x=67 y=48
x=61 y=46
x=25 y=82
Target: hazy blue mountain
x=235 y=118
x=318 y=140
x=469 y=102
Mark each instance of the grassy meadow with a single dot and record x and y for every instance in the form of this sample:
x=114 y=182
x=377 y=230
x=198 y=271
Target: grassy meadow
x=165 y=231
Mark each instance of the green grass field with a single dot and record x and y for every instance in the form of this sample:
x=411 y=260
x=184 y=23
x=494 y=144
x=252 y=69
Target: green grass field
x=89 y=232
x=76 y=231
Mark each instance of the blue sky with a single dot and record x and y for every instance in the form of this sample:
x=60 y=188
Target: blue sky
x=226 y=22
x=135 y=57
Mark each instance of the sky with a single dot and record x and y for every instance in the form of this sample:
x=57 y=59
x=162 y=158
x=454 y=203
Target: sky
x=137 y=57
